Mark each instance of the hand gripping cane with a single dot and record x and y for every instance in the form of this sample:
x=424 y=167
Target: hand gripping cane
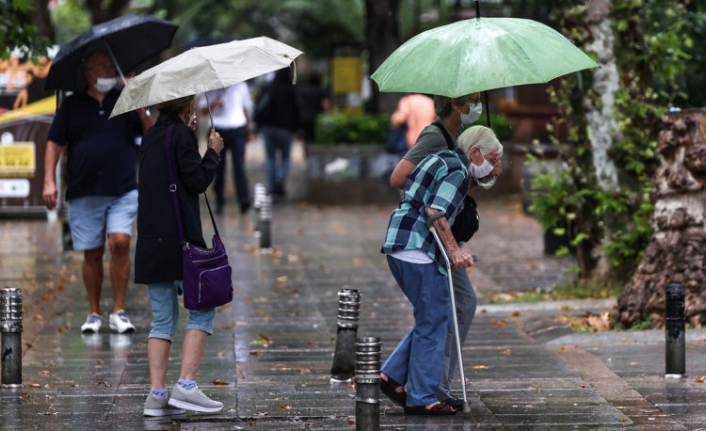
x=466 y=406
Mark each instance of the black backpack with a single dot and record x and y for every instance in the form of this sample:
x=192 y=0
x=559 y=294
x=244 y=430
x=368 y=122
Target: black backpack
x=467 y=221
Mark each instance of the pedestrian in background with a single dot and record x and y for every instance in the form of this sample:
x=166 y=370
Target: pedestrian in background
x=314 y=99
x=231 y=109
x=278 y=118
x=158 y=257
x=102 y=183
x=414 y=112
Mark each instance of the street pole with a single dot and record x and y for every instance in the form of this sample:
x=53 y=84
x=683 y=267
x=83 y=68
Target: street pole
x=11 y=343
x=343 y=368
x=367 y=384
x=265 y=224
x=675 y=332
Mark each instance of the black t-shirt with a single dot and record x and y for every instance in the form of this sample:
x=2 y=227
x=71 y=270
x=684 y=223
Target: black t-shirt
x=102 y=155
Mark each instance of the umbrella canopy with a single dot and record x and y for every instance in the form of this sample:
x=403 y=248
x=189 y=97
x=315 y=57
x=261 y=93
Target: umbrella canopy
x=479 y=54
x=203 y=69
x=129 y=39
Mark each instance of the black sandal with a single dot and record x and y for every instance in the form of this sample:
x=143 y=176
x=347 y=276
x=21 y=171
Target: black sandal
x=389 y=389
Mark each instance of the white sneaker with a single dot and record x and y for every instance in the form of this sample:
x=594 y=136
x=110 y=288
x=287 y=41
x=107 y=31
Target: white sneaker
x=93 y=324
x=156 y=406
x=193 y=399
x=120 y=323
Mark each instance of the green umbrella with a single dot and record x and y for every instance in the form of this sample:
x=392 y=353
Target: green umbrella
x=479 y=54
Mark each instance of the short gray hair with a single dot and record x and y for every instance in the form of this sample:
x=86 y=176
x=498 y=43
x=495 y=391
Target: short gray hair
x=483 y=138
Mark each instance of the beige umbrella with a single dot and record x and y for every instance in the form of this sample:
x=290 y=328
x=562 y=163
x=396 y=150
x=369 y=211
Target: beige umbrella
x=203 y=69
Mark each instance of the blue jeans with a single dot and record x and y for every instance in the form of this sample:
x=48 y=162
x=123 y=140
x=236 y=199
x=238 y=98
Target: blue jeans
x=277 y=139
x=418 y=359
x=235 y=141
x=164 y=299
x=466 y=303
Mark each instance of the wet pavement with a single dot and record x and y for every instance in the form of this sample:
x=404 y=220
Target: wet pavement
x=269 y=360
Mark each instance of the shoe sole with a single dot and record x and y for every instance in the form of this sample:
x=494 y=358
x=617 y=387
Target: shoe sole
x=124 y=331
x=156 y=413
x=193 y=407
x=89 y=331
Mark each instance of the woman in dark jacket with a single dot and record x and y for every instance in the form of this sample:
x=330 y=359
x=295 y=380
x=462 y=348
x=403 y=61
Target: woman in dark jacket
x=158 y=261
x=278 y=128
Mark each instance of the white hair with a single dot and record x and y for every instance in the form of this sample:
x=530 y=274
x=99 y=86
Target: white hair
x=481 y=137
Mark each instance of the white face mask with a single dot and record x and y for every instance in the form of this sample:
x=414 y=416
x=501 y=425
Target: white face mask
x=473 y=114
x=104 y=85
x=486 y=182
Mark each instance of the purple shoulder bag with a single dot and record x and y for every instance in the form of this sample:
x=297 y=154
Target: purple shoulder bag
x=207 y=273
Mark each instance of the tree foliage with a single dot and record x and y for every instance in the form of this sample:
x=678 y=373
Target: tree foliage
x=16 y=32
x=652 y=48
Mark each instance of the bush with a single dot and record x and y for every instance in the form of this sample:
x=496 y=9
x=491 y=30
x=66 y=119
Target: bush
x=334 y=128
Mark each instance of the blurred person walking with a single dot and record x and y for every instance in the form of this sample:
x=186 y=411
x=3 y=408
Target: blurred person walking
x=414 y=112
x=314 y=99
x=158 y=256
x=278 y=117
x=231 y=109
x=102 y=183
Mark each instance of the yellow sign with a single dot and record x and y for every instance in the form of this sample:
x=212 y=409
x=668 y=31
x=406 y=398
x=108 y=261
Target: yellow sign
x=17 y=160
x=347 y=75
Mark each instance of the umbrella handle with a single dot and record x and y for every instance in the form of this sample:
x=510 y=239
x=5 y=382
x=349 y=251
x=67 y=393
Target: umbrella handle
x=115 y=62
x=209 y=109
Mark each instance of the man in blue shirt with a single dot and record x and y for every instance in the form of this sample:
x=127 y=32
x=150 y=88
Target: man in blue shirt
x=102 y=184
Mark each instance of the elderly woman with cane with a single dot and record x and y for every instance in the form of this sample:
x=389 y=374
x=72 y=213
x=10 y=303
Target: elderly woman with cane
x=433 y=197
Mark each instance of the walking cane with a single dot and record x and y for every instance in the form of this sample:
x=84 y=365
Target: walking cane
x=466 y=406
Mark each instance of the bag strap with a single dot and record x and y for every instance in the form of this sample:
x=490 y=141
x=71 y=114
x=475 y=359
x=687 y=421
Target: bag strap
x=173 y=187
x=447 y=137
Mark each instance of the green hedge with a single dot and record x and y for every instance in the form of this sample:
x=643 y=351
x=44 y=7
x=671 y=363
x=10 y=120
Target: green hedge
x=359 y=129
x=374 y=129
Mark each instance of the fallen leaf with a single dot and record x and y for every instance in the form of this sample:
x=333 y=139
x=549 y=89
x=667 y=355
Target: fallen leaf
x=700 y=379
x=219 y=382
x=284 y=406
x=281 y=280
x=515 y=314
x=480 y=367
x=499 y=323
x=351 y=420
x=507 y=352
x=356 y=261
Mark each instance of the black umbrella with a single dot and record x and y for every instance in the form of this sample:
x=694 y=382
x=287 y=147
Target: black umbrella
x=129 y=40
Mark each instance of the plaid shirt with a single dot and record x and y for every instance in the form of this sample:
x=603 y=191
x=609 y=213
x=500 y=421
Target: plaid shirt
x=440 y=181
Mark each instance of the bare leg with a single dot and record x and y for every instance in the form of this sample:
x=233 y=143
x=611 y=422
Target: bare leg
x=194 y=345
x=158 y=355
x=93 y=277
x=119 y=244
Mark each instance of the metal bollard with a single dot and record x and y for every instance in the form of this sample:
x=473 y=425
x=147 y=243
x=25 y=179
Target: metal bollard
x=265 y=223
x=259 y=195
x=11 y=343
x=367 y=384
x=675 y=331
x=343 y=368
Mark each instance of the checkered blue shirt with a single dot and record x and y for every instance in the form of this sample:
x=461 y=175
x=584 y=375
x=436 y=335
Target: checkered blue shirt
x=440 y=181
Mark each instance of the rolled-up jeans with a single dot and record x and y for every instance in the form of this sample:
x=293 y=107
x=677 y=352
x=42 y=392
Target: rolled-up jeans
x=164 y=300
x=466 y=302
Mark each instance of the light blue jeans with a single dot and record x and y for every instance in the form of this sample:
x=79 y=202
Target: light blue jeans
x=418 y=359
x=279 y=140
x=91 y=217
x=164 y=299
x=466 y=303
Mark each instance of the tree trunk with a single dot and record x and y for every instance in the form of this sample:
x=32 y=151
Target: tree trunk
x=677 y=250
x=101 y=13
x=381 y=38
x=41 y=18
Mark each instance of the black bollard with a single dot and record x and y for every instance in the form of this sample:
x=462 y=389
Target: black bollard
x=259 y=194
x=265 y=224
x=367 y=384
x=11 y=343
x=675 y=331
x=343 y=368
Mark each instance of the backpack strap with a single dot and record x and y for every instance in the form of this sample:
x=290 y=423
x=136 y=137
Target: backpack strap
x=447 y=137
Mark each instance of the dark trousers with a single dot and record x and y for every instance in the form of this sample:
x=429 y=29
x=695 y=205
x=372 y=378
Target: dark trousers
x=234 y=142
